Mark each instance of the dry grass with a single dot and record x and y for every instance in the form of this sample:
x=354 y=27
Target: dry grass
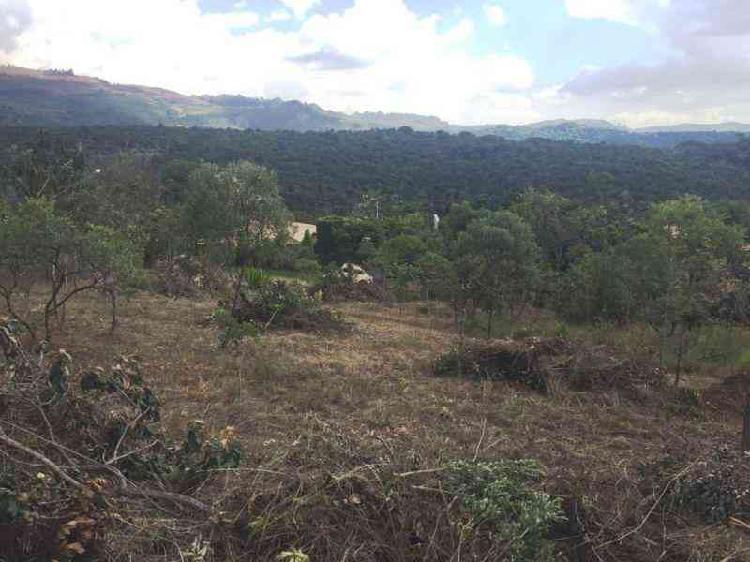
x=335 y=403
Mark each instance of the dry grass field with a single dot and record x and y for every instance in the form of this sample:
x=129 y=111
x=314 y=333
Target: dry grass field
x=343 y=434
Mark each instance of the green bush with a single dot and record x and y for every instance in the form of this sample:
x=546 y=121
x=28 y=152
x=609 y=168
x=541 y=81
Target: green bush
x=499 y=499
x=262 y=303
x=232 y=330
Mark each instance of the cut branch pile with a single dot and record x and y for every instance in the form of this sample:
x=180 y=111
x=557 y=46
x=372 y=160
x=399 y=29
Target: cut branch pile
x=84 y=462
x=537 y=362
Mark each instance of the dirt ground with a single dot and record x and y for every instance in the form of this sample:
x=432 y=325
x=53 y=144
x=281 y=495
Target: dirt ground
x=375 y=386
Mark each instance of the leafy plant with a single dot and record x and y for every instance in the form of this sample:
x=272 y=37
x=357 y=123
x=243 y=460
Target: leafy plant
x=499 y=499
x=231 y=329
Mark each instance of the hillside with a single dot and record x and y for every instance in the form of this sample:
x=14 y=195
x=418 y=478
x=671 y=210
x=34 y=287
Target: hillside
x=322 y=172
x=54 y=98
x=345 y=436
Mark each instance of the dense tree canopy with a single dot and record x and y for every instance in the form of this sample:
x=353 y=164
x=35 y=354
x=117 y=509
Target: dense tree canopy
x=324 y=172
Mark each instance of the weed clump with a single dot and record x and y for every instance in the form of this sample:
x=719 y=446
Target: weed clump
x=499 y=499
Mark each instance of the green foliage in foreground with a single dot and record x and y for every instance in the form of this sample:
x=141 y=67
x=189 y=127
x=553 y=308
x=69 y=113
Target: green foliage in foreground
x=499 y=499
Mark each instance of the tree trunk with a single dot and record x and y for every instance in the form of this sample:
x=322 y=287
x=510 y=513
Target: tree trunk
x=746 y=426
x=680 y=354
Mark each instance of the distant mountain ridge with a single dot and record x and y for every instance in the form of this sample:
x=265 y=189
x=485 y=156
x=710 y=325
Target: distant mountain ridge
x=60 y=98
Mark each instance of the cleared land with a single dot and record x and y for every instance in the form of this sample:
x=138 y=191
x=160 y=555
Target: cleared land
x=322 y=416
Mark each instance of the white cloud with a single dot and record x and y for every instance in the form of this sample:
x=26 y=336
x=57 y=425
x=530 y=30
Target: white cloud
x=279 y=15
x=300 y=8
x=15 y=17
x=374 y=55
x=495 y=14
x=614 y=10
x=234 y=20
x=704 y=79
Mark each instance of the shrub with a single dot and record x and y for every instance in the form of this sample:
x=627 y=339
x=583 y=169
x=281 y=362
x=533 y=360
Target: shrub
x=261 y=303
x=231 y=329
x=499 y=499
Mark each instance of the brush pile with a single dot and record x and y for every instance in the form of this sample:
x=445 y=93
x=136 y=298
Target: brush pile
x=188 y=278
x=84 y=463
x=538 y=362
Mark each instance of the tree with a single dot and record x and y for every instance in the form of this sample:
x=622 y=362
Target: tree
x=44 y=168
x=37 y=243
x=239 y=202
x=398 y=257
x=549 y=216
x=498 y=262
x=124 y=194
x=677 y=264
x=597 y=287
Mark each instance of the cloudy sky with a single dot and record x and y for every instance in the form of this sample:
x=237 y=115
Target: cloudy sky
x=637 y=62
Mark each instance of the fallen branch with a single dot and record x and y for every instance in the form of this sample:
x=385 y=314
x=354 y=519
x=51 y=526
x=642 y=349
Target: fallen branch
x=663 y=493
x=41 y=458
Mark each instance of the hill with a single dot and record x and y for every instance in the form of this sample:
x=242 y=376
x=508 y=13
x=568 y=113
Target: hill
x=60 y=98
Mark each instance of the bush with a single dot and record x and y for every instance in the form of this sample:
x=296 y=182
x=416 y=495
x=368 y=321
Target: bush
x=499 y=500
x=264 y=304
x=231 y=329
x=307 y=266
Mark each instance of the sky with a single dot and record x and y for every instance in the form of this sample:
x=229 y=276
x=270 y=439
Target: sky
x=634 y=62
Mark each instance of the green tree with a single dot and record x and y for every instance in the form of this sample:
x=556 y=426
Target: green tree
x=37 y=243
x=550 y=217
x=398 y=258
x=498 y=262
x=597 y=287
x=240 y=201
x=677 y=264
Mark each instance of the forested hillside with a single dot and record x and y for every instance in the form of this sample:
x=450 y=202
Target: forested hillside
x=322 y=172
